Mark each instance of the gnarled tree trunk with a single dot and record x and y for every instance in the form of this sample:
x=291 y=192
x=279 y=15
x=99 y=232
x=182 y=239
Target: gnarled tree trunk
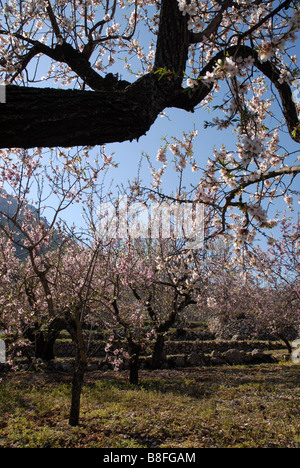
x=44 y=340
x=75 y=329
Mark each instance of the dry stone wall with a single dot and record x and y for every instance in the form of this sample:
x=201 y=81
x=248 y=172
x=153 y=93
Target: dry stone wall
x=186 y=353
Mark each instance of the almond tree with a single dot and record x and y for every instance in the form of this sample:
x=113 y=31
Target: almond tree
x=188 y=46
x=260 y=287
x=177 y=283
x=239 y=186
x=145 y=286
x=278 y=268
x=44 y=295
x=11 y=304
x=50 y=283
x=121 y=269
x=193 y=53
x=232 y=292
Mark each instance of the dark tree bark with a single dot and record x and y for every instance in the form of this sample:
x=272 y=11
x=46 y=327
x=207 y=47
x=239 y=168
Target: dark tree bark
x=74 y=326
x=134 y=348
x=179 y=304
x=158 y=354
x=286 y=342
x=134 y=354
x=51 y=117
x=43 y=341
x=77 y=382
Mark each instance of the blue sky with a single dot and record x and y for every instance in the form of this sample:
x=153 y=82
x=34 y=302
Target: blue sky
x=128 y=154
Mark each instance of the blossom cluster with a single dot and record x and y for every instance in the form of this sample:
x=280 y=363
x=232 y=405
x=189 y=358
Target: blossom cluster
x=95 y=27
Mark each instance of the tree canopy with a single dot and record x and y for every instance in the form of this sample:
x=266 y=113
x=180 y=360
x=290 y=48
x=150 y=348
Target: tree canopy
x=184 y=49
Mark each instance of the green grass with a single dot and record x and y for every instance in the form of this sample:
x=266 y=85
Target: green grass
x=257 y=406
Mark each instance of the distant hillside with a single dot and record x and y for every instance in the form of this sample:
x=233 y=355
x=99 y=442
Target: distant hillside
x=8 y=207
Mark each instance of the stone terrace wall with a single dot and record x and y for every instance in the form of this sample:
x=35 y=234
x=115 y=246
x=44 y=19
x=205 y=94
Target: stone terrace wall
x=207 y=347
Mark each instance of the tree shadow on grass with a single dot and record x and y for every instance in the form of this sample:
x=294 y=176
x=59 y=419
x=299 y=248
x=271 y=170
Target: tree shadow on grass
x=202 y=382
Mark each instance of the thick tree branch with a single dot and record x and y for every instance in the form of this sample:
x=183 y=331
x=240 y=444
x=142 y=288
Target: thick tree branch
x=119 y=111
x=48 y=117
x=54 y=24
x=52 y=117
x=173 y=39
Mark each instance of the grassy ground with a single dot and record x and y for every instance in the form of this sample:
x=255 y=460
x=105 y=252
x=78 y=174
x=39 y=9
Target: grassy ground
x=255 y=406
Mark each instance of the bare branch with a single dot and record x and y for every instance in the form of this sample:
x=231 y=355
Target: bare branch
x=53 y=21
